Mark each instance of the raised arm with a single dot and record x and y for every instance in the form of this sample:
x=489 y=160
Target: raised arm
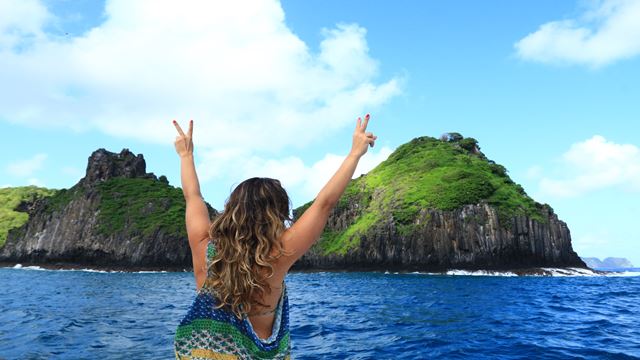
x=196 y=214
x=306 y=230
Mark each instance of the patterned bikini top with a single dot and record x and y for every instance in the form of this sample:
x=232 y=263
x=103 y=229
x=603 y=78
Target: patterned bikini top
x=216 y=332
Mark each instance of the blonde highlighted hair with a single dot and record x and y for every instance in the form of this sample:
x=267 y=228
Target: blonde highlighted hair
x=247 y=239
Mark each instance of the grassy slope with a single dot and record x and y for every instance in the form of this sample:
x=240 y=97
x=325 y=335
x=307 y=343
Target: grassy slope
x=141 y=206
x=136 y=206
x=428 y=173
x=10 y=198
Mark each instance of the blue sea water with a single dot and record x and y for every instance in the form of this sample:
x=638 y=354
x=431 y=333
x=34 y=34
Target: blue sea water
x=74 y=314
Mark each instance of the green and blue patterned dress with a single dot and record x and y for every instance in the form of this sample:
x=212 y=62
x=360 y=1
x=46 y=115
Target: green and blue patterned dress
x=209 y=333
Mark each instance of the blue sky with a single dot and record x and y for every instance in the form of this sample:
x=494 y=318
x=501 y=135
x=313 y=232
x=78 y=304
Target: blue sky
x=549 y=89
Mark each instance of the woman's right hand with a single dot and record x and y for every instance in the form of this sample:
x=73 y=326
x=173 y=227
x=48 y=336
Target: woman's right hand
x=361 y=139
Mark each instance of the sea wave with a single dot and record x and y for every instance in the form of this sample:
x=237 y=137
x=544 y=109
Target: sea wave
x=556 y=272
x=587 y=272
x=334 y=315
x=479 y=273
x=456 y=272
x=38 y=268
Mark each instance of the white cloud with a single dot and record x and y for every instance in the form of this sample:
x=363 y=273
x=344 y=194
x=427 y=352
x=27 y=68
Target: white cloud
x=320 y=172
x=21 y=21
x=250 y=84
x=608 y=32
x=26 y=167
x=595 y=164
x=294 y=175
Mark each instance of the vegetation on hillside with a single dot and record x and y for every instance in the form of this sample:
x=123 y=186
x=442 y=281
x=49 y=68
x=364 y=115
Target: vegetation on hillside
x=140 y=206
x=426 y=172
x=10 y=198
x=135 y=206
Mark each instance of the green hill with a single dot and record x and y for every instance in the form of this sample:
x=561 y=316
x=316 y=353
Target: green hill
x=10 y=199
x=116 y=215
x=428 y=173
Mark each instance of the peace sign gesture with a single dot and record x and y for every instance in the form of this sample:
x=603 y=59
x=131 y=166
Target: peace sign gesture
x=184 y=142
x=361 y=139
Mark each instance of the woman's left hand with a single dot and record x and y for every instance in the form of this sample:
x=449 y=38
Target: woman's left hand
x=184 y=142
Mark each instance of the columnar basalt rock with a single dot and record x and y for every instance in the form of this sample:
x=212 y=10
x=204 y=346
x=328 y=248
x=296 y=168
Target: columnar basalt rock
x=67 y=228
x=467 y=238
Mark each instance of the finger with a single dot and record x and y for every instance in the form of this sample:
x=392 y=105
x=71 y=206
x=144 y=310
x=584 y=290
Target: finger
x=369 y=134
x=366 y=121
x=190 y=128
x=371 y=143
x=359 y=123
x=178 y=128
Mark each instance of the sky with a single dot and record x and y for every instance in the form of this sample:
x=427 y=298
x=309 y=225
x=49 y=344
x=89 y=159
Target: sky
x=548 y=88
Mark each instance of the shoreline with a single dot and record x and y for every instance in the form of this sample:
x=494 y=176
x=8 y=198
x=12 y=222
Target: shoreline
x=535 y=271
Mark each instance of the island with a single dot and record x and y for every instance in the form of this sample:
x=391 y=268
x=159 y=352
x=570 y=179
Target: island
x=434 y=204
x=608 y=263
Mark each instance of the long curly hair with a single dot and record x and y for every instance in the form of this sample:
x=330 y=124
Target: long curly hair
x=246 y=235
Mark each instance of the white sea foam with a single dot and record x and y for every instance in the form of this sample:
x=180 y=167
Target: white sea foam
x=35 y=267
x=555 y=272
x=480 y=273
x=624 y=273
x=566 y=272
x=571 y=271
x=32 y=267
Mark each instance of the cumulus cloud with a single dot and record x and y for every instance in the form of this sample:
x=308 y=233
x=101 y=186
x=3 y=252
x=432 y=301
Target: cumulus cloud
x=292 y=171
x=595 y=164
x=252 y=86
x=21 y=21
x=26 y=167
x=233 y=66
x=607 y=32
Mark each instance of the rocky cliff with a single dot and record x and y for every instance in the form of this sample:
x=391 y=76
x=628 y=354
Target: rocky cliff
x=117 y=216
x=436 y=204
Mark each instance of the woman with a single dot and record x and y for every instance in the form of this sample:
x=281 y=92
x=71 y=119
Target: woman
x=240 y=259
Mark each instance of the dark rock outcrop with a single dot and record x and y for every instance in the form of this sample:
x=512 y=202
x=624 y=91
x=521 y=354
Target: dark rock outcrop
x=104 y=165
x=467 y=238
x=68 y=228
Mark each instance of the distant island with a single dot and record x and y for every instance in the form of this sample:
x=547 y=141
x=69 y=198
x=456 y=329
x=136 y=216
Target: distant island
x=434 y=204
x=608 y=263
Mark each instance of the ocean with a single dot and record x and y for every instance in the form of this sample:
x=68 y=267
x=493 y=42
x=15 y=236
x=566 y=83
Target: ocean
x=87 y=314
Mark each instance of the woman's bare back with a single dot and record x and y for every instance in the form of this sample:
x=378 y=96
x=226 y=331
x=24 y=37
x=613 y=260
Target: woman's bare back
x=262 y=318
